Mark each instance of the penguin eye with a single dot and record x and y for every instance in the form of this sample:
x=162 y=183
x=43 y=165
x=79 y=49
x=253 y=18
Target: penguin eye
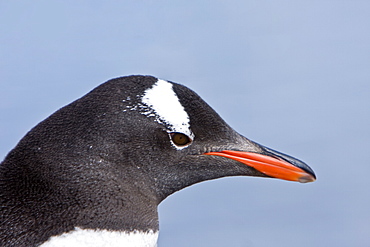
x=180 y=139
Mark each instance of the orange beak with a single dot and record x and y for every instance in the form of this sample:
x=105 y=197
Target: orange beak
x=271 y=166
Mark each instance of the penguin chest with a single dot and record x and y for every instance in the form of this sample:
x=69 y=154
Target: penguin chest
x=103 y=238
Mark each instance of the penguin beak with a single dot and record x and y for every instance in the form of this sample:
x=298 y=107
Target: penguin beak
x=272 y=164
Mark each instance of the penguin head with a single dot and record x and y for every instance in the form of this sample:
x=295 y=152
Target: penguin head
x=165 y=134
x=160 y=131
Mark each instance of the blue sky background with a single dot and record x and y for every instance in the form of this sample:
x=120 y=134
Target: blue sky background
x=292 y=75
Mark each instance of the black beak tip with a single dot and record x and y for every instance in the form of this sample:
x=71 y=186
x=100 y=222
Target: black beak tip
x=294 y=161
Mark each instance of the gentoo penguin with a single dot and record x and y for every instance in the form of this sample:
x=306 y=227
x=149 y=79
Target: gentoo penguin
x=94 y=172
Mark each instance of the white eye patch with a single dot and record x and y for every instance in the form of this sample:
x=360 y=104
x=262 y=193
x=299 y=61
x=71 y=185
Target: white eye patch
x=163 y=103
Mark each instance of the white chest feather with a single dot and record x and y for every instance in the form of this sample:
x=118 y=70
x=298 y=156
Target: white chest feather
x=103 y=238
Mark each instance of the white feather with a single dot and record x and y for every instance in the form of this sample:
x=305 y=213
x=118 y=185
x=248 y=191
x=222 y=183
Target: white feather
x=164 y=103
x=103 y=238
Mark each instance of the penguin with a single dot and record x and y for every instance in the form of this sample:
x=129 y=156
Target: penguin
x=94 y=172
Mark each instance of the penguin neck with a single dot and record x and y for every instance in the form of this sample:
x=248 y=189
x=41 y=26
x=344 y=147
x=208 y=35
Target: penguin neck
x=91 y=196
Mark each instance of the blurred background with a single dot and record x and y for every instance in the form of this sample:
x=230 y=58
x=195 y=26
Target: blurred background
x=291 y=75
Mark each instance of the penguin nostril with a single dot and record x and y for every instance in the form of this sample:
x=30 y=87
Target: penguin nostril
x=180 y=139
